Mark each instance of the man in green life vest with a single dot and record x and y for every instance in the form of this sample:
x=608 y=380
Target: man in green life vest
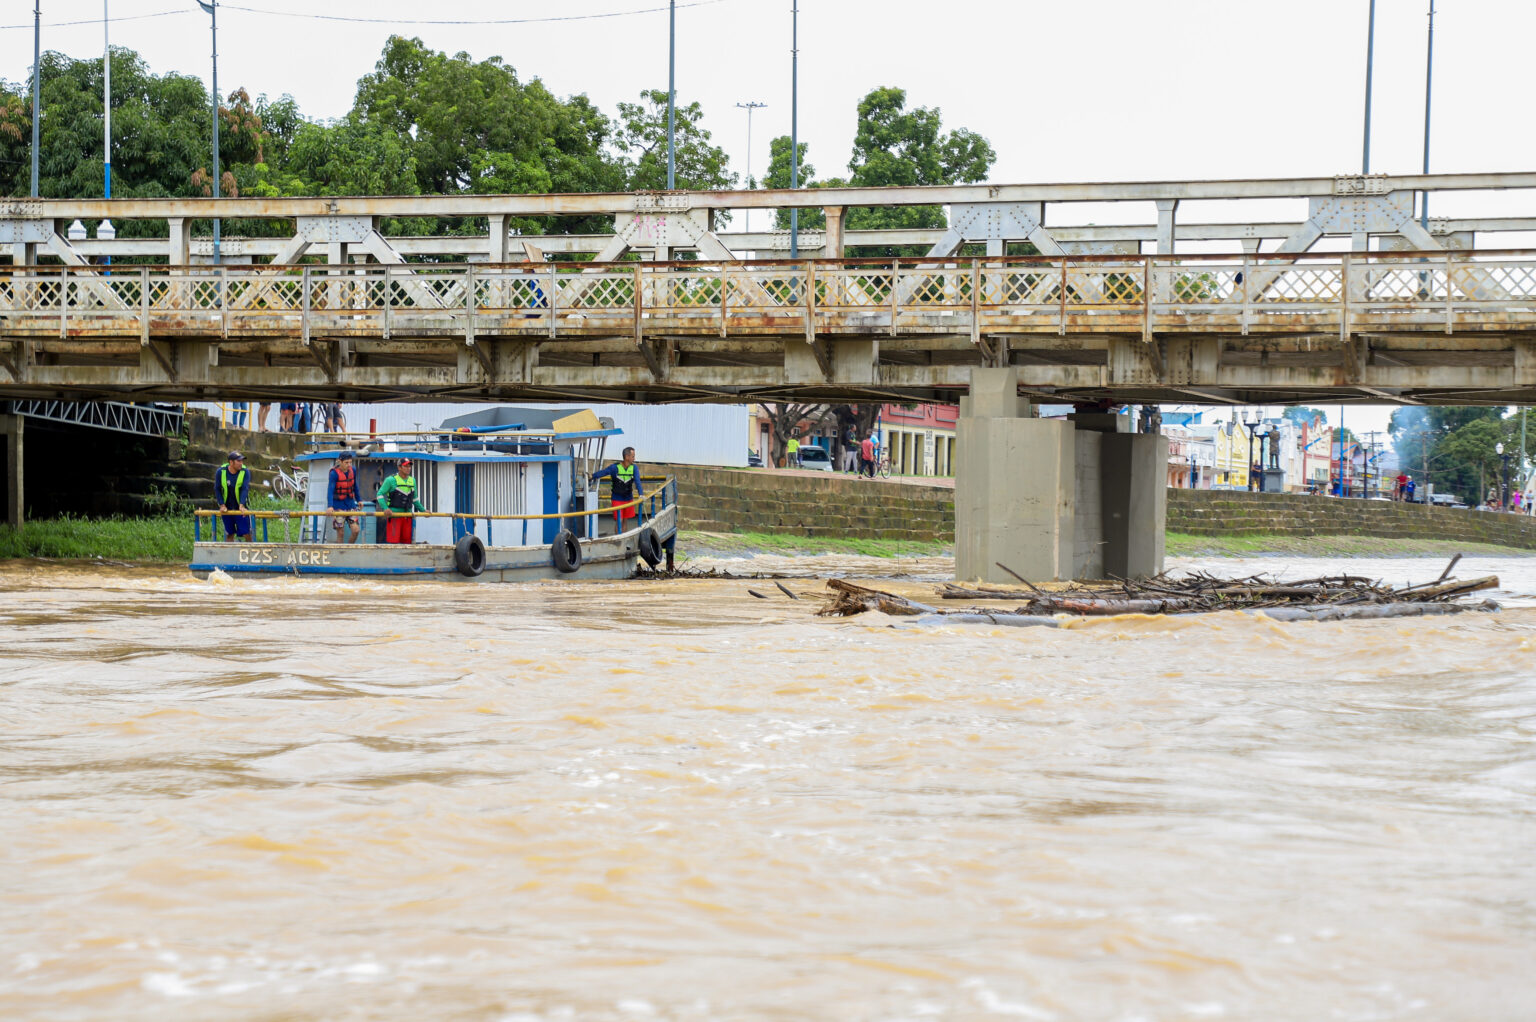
x=232 y=489
x=397 y=497
x=626 y=487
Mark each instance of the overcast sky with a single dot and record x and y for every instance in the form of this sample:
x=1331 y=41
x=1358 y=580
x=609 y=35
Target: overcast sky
x=1088 y=90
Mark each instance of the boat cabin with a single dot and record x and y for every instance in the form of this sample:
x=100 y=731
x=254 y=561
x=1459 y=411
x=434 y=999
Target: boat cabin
x=496 y=463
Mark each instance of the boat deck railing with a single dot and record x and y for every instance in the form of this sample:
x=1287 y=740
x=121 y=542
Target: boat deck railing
x=306 y=526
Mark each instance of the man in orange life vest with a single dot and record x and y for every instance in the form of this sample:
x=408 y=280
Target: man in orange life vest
x=341 y=495
x=626 y=486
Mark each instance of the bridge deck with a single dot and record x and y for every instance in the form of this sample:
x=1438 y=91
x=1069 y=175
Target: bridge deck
x=1437 y=327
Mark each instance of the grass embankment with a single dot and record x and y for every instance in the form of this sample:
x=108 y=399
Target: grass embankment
x=1184 y=545
x=727 y=544
x=165 y=538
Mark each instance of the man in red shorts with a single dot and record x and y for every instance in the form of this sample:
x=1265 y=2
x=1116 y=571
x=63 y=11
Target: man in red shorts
x=398 y=497
x=626 y=486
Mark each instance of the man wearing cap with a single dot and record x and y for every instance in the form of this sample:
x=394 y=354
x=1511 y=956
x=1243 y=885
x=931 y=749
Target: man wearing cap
x=341 y=495
x=232 y=489
x=398 y=497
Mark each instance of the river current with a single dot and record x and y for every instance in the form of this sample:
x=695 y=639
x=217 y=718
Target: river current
x=296 y=799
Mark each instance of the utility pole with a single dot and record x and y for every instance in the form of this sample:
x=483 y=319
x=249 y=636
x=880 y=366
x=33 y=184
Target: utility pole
x=794 y=123
x=212 y=7
x=749 y=106
x=106 y=100
x=672 y=94
x=1370 y=60
x=37 y=77
x=1429 y=71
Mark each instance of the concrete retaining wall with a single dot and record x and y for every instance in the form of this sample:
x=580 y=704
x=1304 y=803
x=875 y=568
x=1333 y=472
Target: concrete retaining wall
x=1238 y=513
x=726 y=500
x=723 y=500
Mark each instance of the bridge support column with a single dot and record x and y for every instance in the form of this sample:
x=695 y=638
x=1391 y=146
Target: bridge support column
x=1051 y=499
x=15 y=496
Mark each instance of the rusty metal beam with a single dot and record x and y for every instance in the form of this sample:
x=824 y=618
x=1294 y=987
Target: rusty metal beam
x=647 y=202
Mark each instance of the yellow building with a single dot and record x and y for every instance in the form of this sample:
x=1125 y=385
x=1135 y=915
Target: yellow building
x=1231 y=469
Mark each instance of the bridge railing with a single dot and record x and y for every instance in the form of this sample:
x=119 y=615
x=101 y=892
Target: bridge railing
x=551 y=300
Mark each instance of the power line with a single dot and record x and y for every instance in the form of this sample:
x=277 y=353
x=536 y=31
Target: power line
x=97 y=21
x=374 y=21
x=440 y=21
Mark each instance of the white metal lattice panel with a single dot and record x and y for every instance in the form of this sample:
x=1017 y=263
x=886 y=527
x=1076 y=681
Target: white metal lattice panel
x=499 y=489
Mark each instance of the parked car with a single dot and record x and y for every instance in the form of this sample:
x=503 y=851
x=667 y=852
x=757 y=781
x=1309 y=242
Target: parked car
x=1445 y=500
x=754 y=460
x=815 y=457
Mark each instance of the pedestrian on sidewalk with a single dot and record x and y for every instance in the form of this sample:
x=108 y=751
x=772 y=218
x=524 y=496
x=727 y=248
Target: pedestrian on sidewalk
x=792 y=452
x=867 y=457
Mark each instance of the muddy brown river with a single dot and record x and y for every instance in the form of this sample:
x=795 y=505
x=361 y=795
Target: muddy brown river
x=319 y=800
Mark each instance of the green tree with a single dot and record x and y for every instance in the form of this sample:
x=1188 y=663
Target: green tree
x=472 y=126
x=1304 y=416
x=894 y=145
x=642 y=137
x=1455 y=443
x=161 y=131
x=350 y=157
x=778 y=177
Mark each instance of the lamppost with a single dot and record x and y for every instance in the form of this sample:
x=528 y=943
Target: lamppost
x=212 y=7
x=1253 y=428
x=672 y=93
x=1498 y=449
x=37 y=74
x=749 y=106
x=794 y=124
x=1370 y=61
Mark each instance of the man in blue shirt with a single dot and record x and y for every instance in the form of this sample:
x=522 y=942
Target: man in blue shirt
x=232 y=489
x=626 y=486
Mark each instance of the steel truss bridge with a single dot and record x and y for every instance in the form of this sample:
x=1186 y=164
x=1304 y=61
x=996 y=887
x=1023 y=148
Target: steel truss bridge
x=1411 y=312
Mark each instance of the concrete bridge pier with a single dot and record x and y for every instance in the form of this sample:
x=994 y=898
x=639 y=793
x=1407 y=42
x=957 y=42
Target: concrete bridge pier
x=15 y=497
x=1051 y=499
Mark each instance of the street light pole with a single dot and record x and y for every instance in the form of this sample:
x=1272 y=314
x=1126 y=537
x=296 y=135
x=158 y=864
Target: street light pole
x=212 y=7
x=37 y=76
x=1429 y=71
x=794 y=123
x=1498 y=449
x=1370 y=60
x=106 y=100
x=672 y=94
x=749 y=106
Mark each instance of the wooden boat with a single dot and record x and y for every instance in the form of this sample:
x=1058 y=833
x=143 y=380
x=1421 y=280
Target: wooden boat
x=508 y=504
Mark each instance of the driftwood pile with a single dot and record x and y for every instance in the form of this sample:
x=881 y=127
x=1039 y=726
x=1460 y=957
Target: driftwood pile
x=1327 y=598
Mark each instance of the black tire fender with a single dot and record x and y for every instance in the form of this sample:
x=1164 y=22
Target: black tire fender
x=469 y=555
x=650 y=547
x=566 y=551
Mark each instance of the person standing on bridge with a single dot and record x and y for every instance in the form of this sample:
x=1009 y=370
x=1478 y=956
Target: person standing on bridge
x=232 y=489
x=397 y=496
x=626 y=487
x=341 y=495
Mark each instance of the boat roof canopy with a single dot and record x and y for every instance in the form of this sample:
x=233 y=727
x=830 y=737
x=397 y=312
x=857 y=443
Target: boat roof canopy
x=532 y=419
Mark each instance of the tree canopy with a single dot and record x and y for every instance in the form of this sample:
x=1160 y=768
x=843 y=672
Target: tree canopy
x=424 y=121
x=1457 y=446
